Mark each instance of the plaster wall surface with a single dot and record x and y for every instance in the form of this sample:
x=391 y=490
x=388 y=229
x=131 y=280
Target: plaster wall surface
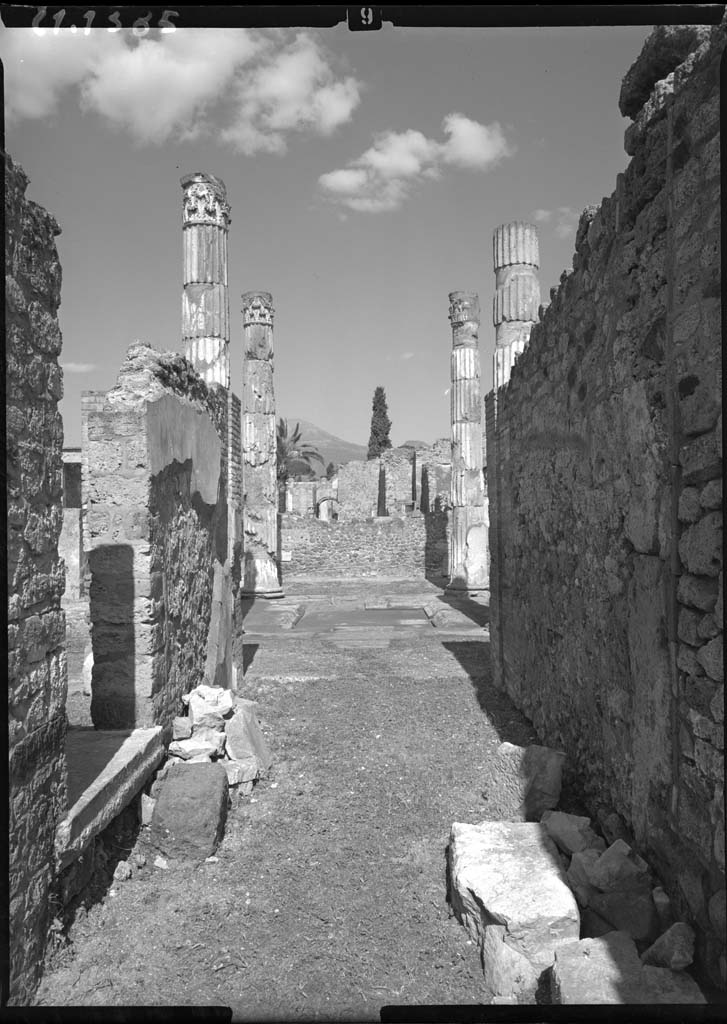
x=37 y=679
x=162 y=581
x=605 y=493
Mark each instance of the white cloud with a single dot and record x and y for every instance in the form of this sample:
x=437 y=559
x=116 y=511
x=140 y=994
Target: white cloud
x=564 y=219
x=408 y=355
x=294 y=89
x=383 y=177
x=472 y=145
x=79 y=367
x=248 y=88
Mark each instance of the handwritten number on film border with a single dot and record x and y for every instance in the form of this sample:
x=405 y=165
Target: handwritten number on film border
x=140 y=27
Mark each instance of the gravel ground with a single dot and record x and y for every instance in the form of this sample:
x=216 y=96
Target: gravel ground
x=328 y=899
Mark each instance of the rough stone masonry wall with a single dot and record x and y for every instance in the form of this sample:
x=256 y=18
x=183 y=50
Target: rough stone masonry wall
x=157 y=537
x=393 y=548
x=36 y=627
x=606 y=498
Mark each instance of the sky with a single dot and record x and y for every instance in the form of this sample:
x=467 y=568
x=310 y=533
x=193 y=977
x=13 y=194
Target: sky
x=366 y=174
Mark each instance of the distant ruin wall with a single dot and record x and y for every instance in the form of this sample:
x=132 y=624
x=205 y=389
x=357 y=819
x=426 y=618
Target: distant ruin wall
x=36 y=626
x=605 y=497
x=395 y=548
x=157 y=535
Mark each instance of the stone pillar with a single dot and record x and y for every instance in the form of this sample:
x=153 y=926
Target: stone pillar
x=468 y=555
x=259 y=450
x=517 y=294
x=205 y=300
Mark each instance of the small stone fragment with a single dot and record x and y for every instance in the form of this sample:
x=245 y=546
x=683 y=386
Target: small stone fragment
x=244 y=737
x=527 y=781
x=593 y=926
x=579 y=874
x=192 y=747
x=87 y=673
x=662 y=904
x=123 y=871
x=208 y=705
x=617 y=868
x=630 y=911
x=189 y=817
x=161 y=862
x=181 y=728
x=571 y=832
x=674 y=949
x=241 y=771
x=140 y=860
x=215 y=737
x=147 y=809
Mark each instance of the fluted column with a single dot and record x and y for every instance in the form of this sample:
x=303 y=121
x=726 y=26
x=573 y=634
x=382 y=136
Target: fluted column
x=517 y=294
x=468 y=553
x=259 y=450
x=205 y=301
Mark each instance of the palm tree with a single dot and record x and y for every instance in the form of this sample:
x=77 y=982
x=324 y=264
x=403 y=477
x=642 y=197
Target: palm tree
x=294 y=456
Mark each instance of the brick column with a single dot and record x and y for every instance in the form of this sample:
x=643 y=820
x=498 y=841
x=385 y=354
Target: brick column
x=517 y=294
x=259 y=450
x=468 y=553
x=205 y=301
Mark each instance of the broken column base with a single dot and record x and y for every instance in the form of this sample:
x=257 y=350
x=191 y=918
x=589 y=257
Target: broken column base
x=260 y=577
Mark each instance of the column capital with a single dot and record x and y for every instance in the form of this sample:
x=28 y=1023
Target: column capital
x=257 y=308
x=205 y=200
x=464 y=307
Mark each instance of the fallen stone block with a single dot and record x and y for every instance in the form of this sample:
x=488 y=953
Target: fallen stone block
x=660 y=985
x=242 y=771
x=571 y=833
x=527 y=781
x=618 y=868
x=215 y=737
x=630 y=911
x=181 y=728
x=208 y=705
x=599 y=970
x=509 y=891
x=244 y=737
x=663 y=908
x=593 y=926
x=189 y=817
x=147 y=809
x=674 y=949
x=193 y=747
x=578 y=875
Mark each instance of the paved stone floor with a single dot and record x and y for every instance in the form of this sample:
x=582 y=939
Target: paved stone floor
x=328 y=899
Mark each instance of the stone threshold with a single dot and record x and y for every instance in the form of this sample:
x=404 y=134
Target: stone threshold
x=106 y=770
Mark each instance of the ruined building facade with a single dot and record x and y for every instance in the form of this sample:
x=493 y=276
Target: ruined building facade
x=605 y=489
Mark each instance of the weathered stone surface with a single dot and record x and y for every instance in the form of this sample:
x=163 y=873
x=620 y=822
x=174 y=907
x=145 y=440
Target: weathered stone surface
x=509 y=891
x=700 y=546
x=618 y=867
x=710 y=657
x=608 y=970
x=579 y=874
x=189 y=817
x=663 y=51
x=136 y=756
x=245 y=738
x=193 y=747
x=208 y=705
x=710 y=497
x=593 y=926
x=241 y=771
x=571 y=833
x=697 y=592
x=123 y=871
x=181 y=728
x=673 y=949
x=527 y=780
x=662 y=903
x=147 y=809
x=629 y=910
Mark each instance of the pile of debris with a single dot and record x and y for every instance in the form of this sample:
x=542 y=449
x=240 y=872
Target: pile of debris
x=560 y=913
x=220 y=726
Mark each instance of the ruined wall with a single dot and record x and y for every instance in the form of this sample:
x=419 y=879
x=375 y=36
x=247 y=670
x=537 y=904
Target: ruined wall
x=358 y=489
x=605 y=494
x=394 y=547
x=157 y=538
x=36 y=627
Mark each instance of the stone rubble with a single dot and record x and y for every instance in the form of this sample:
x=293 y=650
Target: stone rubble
x=616 y=942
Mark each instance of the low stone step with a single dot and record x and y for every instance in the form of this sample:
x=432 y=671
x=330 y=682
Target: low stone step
x=509 y=890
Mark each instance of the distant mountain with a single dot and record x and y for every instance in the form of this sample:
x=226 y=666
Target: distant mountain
x=332 y=448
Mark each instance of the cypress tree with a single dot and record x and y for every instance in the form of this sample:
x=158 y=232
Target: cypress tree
x=379 y=440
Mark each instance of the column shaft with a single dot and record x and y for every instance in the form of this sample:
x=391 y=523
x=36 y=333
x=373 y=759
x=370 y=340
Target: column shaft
x=517 y=294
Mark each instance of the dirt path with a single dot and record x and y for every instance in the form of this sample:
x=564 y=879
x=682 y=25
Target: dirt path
x=328 y=898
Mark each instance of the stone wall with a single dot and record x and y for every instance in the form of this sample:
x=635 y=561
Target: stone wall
x=36 y=627
x=358 y=489
x=393 y=547
x=161 y=580
x=605 y=493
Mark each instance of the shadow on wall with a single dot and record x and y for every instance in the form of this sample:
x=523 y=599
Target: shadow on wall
x=113 y=635
x=511 y=725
